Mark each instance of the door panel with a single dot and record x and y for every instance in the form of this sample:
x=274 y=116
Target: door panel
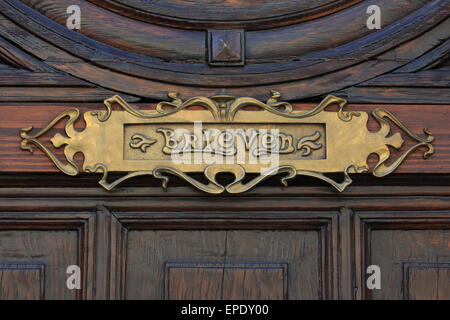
x=35 y=251
x=429 y=281
x=236 y=259
x=225 y=280
x=24 y=281
x=302 y=242
x=412 y=250
x=56 y=249
x=224 y=261
x=141 y=247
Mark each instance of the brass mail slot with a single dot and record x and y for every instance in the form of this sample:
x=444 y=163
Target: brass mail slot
x=225 y=137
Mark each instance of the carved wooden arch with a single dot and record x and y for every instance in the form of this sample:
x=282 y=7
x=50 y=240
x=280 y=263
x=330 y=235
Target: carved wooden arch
x=330 y=52
x=251 y=15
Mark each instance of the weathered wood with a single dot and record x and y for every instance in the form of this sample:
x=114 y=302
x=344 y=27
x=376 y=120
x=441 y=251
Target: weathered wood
x=431 y=78
x=24 y=281
x=436 y=56
x=276 y=14
x=306 y=74
x=103 y=248
x=225 y=10
x=227 y=205
x=147 y=250
x=35 y=186
x=301 y=218
x=396 y=241
x=48 y=94
x=55 y=241
x=346 y=255
x=396 y=95
x=426 y=281
x=140 y=229
x=302 y=241
x=181 y=45
x=16 y=58
x=11 y=77
x=124 y=33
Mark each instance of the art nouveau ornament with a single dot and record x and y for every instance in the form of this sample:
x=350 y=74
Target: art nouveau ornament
x=226 y=137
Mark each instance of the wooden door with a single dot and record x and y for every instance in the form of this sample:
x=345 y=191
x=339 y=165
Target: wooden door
x=305 y=241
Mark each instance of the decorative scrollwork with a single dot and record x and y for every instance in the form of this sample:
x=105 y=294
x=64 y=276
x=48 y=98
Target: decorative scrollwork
x=224 y=108
x=58 y=140
x=139 y=141
x=238 y=171
x=307 y=144
x=340 y=140
x=381 y=169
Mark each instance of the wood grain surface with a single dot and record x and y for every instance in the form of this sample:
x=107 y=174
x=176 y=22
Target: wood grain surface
x=145 y=59
x=304 y=241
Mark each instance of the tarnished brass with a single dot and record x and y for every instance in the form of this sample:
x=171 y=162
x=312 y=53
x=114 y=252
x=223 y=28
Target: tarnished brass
x=226 y=137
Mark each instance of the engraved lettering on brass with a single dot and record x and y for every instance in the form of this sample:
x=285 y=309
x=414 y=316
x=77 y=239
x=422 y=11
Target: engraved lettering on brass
x=302 y=141
x=308 y=144
x=141 y=142
x=226 y=142
x=145 y=142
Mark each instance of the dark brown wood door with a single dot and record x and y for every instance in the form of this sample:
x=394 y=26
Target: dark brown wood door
x=305 y=241
x=261 y=246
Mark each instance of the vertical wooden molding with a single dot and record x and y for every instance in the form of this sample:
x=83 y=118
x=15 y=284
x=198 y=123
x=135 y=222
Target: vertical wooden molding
x=86 y=253
x=335 y=263
x=346 y=255
x=109 y=262
x=117 y=259
x=102 y=253
x=359 y=273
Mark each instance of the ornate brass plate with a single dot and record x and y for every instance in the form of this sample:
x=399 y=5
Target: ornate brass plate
x=226 y=137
